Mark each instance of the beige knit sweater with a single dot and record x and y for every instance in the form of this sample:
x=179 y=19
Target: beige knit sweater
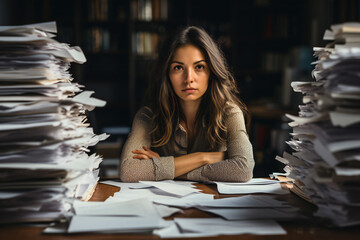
x=237 y=167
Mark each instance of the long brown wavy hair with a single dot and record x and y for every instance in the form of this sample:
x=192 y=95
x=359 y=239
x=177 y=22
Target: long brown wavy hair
x=221 y=92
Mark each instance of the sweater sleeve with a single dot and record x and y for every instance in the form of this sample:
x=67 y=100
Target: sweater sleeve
x=238 y=167
x=134 y=170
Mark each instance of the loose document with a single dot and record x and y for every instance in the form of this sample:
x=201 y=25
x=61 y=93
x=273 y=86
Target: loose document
x=206 y=227
x=256 y=185
x=140 y=207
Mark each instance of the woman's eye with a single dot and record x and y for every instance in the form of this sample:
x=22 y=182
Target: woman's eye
x=177 y=67
x=200 y=67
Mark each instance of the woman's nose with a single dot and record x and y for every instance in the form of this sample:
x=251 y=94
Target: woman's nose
x=189 y=78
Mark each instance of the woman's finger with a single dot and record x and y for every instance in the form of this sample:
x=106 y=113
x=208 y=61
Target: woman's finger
x=147 y=152
x=154 y=154
x=144 y=152
x=140 y=156
x=139 y=151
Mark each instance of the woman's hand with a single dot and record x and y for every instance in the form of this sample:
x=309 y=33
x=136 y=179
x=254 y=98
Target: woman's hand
x=213 y=157
x=189 y=162
x=145 y=154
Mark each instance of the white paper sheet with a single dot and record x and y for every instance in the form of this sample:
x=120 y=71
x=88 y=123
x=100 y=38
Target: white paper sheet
x=254 y=213
x=138 y=207
x=225 y=188
x=122 y=185
x=165 y=211
x=148 y=193
x=172 y=188
x=45 y=26
x=221 y=227
x=80 y=224
x=253 y=181
x=185 y=202
x=56 y=228
x=244 y=201
x=172 y=231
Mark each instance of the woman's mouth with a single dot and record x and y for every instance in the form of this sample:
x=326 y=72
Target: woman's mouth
x=189 y=90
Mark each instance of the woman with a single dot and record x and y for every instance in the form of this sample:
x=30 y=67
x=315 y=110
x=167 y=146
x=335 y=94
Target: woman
x=193 y=127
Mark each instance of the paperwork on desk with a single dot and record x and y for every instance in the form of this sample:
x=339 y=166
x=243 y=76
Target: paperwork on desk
x=44 y=136
x=153 y=200
x=326 y=134
x=140 y=207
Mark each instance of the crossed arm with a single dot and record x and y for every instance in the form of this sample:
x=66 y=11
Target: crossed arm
x=185 y=163
x=138 y=162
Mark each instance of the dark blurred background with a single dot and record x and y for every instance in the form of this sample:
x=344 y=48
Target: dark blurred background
x=268 y=44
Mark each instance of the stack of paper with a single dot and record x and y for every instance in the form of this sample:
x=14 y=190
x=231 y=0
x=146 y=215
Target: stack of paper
x=326 y=134
x=44 y=137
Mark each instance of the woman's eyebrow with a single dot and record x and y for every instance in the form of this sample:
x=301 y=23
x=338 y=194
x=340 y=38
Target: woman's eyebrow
x=199 y=61
x=176 y=62
x=183 y=63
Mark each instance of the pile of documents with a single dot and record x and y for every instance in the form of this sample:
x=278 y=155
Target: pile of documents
x=141 y=207
x=44 y=137
x=325 y=163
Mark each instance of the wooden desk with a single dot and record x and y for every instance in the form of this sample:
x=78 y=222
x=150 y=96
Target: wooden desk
x=295 y=231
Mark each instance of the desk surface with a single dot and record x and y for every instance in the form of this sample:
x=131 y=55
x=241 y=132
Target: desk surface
x=295 y=231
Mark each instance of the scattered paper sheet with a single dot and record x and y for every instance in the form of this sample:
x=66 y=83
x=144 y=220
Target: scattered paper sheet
x=122 y=185
x=225 y=188
x=137 y=207
x=149 y=193
x=172 y=231
x=165 y=211
x=59 y=228
x=202 y=227
x=254 y=213
x=244 y=201
x=81 y=224
x=175 y=189
x=185 y=202
x=254 y=181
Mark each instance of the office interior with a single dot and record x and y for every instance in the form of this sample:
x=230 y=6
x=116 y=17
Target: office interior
x=268 y=44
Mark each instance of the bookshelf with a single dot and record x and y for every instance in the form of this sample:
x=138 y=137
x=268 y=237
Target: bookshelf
x=266 y=33
x=151 y=21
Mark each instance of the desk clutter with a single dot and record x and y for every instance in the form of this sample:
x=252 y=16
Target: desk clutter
x=141 y=207
x=326 y=134
x=44 y=137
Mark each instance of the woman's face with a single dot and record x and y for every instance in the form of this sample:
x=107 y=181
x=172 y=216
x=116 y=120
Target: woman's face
x=189 y=74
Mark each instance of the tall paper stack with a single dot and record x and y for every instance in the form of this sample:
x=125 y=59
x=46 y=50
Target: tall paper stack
x=326 y=134
x=44 y=137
